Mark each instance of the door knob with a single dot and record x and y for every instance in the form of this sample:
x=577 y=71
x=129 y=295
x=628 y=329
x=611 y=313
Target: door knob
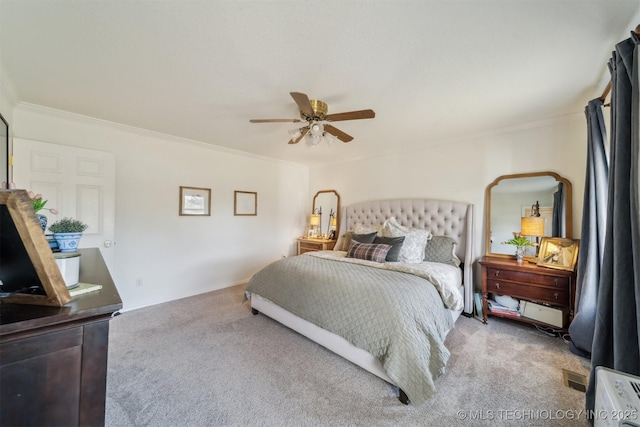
x=108 y=243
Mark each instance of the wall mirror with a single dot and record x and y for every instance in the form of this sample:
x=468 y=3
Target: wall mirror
x=510 y=197
x=326 y=204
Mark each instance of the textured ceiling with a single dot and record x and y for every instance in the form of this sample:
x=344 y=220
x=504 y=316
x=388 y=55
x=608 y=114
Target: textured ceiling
x=433 y=71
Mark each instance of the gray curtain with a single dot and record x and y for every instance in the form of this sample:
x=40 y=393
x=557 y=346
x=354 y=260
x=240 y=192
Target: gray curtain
x=558 y=225
x=594 y=214
x=616 y=340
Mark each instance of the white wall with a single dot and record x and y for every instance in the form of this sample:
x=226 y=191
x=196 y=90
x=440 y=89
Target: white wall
x=461 y=170
x=176 y=256
x=6 y=108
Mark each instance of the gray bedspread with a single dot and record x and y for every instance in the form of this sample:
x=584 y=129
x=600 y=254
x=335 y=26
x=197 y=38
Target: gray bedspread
x=397 y=317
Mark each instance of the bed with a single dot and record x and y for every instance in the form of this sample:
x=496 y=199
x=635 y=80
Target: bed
x=356 y=320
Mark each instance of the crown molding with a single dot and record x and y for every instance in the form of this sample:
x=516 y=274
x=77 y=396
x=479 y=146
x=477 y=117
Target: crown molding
x=92 y=121
x=471 y=137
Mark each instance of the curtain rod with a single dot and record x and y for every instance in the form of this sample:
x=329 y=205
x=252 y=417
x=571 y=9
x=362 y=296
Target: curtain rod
x=607 y=89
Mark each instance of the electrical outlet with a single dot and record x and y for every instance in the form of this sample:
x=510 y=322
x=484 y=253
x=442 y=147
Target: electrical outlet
x=139 y=282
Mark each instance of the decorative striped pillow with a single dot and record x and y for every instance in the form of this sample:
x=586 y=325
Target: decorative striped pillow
x=368 y=251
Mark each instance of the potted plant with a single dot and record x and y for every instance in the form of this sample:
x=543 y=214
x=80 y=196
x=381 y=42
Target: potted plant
x=520 y=242
x=67 y=232
x=39 y=204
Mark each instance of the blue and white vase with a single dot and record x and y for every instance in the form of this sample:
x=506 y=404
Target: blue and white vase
x=67 y=242
x=42 y=219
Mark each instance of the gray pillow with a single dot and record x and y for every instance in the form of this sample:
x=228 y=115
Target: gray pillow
x=396 y=245
x=364 y=238
x=345 y=240
x=441 y=249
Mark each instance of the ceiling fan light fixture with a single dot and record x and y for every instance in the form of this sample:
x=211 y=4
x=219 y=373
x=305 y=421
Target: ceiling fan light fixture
x=312 y=140
x=313 y=112
x=316 y=129
x=330 y=139
x=295 y=134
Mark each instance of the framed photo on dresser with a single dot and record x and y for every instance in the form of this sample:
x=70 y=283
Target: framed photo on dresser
x=557 y=252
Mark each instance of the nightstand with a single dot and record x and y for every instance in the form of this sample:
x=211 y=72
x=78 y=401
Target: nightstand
x=529 y=282
x=306 y=244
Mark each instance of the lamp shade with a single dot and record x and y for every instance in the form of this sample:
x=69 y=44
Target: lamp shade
x=532 y=226
x=334 y=221
x=314 y=220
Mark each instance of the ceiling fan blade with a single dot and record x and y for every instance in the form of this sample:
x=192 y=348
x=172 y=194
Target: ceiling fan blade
x=275 y=120
x=303 y=103
x=302 y=134
x=351 y=115
x=337 y=133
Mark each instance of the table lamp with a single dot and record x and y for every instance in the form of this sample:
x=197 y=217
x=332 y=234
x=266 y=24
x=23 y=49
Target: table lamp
x=533 y=226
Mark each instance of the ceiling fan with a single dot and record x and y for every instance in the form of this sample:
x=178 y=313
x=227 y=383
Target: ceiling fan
x=314 y=112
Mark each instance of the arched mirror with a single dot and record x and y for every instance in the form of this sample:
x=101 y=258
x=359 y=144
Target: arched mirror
x=326 y=204
x=511 y=197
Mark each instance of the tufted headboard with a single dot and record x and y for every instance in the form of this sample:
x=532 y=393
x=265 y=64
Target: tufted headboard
x=440 y=217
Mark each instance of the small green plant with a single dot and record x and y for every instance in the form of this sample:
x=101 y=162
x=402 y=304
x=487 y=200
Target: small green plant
x=68 y=225
x=518 y=240
x=38 y=203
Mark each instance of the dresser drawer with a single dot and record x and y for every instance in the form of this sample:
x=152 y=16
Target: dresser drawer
x=523 y=291
x=306 y=245
x=528 y=277
x=310 y=246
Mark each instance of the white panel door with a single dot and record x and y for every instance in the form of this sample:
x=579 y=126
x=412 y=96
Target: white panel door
x=79 y=183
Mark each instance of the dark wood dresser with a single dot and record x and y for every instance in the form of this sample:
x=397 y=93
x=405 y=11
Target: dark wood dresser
x=53 y=360
x=526 y=281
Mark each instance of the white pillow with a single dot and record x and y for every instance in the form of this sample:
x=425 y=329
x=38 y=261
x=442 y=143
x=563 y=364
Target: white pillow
x=415 y=240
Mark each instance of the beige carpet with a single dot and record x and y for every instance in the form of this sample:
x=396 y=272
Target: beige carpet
x=207 y=361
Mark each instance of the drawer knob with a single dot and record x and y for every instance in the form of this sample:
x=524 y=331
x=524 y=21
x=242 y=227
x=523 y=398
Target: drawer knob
x=497 y=285
x=497 y=273
x=555 y=281
x=555 y=294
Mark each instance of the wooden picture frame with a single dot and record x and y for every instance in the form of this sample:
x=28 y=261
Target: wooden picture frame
x=26 y=255
x=195 y=201
x=245 y=203
x=557 y=252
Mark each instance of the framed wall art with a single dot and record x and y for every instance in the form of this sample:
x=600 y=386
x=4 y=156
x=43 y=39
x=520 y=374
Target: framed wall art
x=195 y=201
x=557 y=252
x=245 y=203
